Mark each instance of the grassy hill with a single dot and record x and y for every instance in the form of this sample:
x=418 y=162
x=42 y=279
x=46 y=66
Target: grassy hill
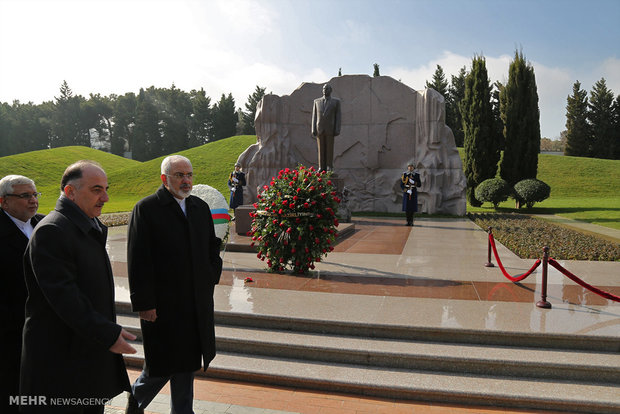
x=129 y=180
x=581 y=188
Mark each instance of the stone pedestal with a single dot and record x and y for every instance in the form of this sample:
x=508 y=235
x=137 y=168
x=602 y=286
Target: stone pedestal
x=243 y=221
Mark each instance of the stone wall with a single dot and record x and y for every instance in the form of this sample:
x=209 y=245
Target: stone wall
x=385 y=125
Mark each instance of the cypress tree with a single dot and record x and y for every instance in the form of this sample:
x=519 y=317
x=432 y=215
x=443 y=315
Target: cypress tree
x=481 y=149
x=577 y=128
x=456 y=92
x=616 y=128
x=521 y=117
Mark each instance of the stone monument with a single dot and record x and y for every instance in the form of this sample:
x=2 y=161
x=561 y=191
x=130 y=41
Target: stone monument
x=385 y=125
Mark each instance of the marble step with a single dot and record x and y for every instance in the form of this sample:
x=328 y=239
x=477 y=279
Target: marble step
x=456 y=388
x=418 y=355
x=574 y=342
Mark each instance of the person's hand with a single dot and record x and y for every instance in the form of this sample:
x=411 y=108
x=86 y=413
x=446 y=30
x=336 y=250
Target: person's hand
x=121 y=346
x=149 y=315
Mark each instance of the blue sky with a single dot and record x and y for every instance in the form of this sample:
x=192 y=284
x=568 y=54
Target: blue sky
x=118 y=46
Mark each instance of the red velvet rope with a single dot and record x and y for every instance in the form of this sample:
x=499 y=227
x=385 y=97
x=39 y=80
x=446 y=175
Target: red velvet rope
x=580 y=282
x=499 y=262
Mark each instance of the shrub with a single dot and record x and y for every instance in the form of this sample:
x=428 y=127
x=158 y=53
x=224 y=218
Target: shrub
x=295 y=220
x=530 y=191
x=493 y=190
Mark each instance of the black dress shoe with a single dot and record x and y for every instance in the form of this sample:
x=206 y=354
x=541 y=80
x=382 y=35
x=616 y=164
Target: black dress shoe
x=132 y=405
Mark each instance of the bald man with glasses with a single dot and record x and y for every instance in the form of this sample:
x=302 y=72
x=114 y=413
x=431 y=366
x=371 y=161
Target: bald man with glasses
x=18 y=218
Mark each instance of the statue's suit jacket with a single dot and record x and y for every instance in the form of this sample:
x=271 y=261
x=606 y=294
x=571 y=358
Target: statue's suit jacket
x=12 y=300
x=326 y=117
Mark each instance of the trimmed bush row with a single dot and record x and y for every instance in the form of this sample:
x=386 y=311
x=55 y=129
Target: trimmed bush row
x=526 y=236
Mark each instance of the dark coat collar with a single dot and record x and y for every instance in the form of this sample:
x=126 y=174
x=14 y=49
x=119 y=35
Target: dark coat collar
x=165 y=197
x=71 y=211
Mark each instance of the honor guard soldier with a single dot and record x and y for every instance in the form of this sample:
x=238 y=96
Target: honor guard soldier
x=409 y=181
x=236 y=182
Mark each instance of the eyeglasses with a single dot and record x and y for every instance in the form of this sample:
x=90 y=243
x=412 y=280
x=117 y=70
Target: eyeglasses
x=180 y=175
x=25 y=196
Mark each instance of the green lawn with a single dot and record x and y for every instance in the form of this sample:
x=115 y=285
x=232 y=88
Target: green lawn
x=584 y=189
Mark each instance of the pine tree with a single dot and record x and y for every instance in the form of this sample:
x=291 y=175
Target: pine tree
x=600 y=117
x=376 y=70
x=577 y=128
x=225 y=118
x=481 y=150
x=456 y=93
x=249 y=114
x=521 y=117
x=440 y=84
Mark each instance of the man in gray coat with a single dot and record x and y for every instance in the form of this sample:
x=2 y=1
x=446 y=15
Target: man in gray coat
x=174 y=264
x=72 y=345
x=325 y=126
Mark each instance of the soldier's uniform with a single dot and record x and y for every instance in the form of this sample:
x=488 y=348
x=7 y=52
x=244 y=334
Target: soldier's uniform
x=410 y=180
x=236 y=182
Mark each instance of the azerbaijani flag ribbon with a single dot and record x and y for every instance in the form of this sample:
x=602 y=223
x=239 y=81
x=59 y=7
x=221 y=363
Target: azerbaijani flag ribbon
x=220 y=216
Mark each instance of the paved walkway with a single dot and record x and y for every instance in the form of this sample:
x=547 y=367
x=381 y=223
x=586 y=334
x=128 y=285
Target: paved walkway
x=430 y=275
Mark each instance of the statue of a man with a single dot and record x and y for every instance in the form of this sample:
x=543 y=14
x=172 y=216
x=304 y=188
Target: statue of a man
x=325 y=126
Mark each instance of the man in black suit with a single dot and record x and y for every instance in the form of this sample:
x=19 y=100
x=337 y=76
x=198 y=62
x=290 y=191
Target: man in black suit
x=19 y=203
x=325 y=126
x=72 y=344
x=174 y=263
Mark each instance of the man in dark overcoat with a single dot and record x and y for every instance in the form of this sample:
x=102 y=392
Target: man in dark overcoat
x=174 y=264
x=409 y=183
x=72 y=344
x=19 y=203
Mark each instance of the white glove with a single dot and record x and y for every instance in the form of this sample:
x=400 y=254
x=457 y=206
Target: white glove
x=409 y=191
x=411 y=181
x=235 y=180
x=233 y=189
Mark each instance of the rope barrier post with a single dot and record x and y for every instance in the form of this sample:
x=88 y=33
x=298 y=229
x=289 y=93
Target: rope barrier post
x=489 y=263
x=542 y=303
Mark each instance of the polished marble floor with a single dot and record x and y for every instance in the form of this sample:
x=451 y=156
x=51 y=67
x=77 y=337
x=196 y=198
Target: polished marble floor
x=434 y=270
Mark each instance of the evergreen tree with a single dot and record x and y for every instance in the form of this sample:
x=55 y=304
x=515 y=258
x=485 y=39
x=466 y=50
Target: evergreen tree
x=225 y=118
x=147 y=138
x=616 y=127
x=577 y=127
x=481 y=150
x=175 y=111
x=456 y=93
x=521 y=117
x=201 y=122
x=498 y=125
x=600 y=117
x=376 y=70
x=440 y=84
x=247 y=116
x=124 y=116
x=339 y=71
x=70 y=124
